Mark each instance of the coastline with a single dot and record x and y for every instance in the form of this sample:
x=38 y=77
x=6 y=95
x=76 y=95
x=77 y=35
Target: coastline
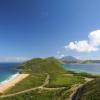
x=12 y=81
x=9 y=78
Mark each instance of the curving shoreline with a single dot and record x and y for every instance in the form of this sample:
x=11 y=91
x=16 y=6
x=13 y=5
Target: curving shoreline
x=9 y=78
x=12 y=82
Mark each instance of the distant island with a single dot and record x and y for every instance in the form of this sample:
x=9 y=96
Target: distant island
x=71 y=59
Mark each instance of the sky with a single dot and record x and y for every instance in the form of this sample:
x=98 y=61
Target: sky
x=42 y=28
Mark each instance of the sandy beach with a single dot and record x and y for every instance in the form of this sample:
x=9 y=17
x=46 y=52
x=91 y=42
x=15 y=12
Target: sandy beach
x=12 y=82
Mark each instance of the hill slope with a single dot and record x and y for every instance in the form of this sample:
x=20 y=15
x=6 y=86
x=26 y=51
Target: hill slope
x=91 y=91
x=49 y=65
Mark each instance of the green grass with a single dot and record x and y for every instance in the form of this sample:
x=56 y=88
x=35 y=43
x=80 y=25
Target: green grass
x=49 y=65
x=40 y=95
x=63 y=80
x=56 y=80
x=83 y=74
x=31 y=81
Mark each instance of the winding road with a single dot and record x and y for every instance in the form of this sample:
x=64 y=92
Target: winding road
x=74 y=88
x=46 y=82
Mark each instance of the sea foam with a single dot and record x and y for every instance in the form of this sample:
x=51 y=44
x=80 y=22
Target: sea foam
x=9 y=79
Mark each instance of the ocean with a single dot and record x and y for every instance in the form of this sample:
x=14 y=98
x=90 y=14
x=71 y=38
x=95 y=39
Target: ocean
x=88 y=68
x=7 y=71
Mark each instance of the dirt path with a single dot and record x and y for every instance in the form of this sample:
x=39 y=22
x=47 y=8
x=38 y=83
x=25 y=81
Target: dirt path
x=46 y=82
x=76 y=89
x=42 y=87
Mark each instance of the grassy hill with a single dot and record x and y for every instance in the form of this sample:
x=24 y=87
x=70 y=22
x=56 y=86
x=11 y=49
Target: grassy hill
x=91 y=91
x=38 y=65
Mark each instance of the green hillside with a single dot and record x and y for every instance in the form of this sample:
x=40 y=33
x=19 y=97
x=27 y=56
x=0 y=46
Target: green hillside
x=39 y=65
x=47 y=81
x=91 y=91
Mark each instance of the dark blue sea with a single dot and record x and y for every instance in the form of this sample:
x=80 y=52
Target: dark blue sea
x=8 y=70
x=88 y=68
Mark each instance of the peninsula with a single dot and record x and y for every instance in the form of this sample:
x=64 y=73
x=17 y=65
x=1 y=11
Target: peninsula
x=43 y=79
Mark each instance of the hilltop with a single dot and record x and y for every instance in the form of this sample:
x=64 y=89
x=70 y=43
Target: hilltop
x=38 y=65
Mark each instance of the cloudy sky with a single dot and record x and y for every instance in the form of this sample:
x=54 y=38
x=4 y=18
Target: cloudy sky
x=42 y=28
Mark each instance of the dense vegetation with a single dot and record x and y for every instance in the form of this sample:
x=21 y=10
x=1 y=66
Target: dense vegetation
x=91 y=91
x=31 y=81
x=65 y=80
x=41 y=95
x=38 y=69
x=38 y=65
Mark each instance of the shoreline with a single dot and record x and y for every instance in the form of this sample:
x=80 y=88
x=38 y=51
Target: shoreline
x=12 y=81
x=9 y=78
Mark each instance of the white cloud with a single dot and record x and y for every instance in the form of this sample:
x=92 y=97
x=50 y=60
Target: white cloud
x=92 y=44
x=94 y=38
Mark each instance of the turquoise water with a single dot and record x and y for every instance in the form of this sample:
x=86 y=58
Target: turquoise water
x=88 y=68
x=7 y=70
